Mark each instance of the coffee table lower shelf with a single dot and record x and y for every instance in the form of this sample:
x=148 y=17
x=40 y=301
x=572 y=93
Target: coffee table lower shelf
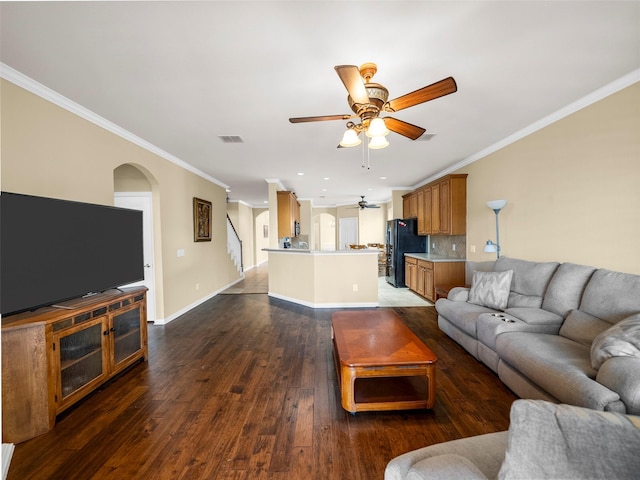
x=386 y=388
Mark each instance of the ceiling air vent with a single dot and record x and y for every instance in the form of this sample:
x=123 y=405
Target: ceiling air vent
x=231 y=138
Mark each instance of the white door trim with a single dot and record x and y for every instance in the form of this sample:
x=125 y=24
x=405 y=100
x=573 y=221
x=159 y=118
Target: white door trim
x=144 y=200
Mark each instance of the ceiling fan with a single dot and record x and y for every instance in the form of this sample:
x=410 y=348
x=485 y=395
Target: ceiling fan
x=362 y=204
x=368 y=100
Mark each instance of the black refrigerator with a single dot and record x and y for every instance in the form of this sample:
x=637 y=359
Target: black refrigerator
x=402 y=237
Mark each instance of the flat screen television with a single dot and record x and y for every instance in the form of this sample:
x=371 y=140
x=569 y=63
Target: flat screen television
x=53 y=250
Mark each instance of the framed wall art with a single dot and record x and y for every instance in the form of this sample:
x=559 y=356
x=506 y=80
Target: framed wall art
x=201 y=220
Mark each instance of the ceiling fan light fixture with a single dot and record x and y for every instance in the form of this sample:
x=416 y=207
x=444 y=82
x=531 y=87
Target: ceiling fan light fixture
x=350 y=138
x=377 y=128
x=378 y=142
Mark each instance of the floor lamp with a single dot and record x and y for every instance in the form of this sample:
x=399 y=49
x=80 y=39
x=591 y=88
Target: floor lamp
x=490 y=247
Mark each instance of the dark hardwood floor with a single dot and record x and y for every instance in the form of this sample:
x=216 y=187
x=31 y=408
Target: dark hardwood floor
x=244 y=387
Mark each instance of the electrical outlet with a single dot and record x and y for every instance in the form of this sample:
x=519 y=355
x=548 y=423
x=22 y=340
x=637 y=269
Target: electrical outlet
x=197 y=287
x=472 y=248
x=181 y=252
x=453 y=247
x=355 y=287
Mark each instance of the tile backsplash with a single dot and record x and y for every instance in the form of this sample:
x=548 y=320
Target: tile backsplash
x=454 y=246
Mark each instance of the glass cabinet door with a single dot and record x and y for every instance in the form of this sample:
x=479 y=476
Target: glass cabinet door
x=126 y=334
x=81 y=357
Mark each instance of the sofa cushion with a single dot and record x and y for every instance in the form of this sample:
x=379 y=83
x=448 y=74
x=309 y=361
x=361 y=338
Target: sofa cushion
x=461 y=314
x=557 y=365
x=563 y=441
x=442 y=467
x=530 y=280
x=491 y=289
x=582 y=327
x=485 y=452
x=622 y=375
x=620 y=340
x=565 y=288
x=611 y=296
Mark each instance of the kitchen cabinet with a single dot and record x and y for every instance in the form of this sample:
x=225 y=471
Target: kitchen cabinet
x=288 y=214
x=410 y=272
x=55 y=356
x=449 y=206
x=424 y=280
x=441 y=206
x=428 y=274
x=410 y=205
x=424 y=211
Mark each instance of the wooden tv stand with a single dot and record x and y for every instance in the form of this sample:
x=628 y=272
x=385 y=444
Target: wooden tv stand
x=55 y=356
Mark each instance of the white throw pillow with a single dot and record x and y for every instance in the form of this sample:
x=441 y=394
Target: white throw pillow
x=619 y=340
x=491 y=289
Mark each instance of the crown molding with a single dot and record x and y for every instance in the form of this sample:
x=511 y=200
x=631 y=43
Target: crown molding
x=17 y=78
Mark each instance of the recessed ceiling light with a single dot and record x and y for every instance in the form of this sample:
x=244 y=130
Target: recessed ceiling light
x=300 y=173
x=383 y=178
x=326 y=178
x=324 y=189
x=266 y=201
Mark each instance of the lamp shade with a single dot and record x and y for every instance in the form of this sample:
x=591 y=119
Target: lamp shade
x=350 y=138
x=496 y=204
x=378 y=142
x=490 y=247
x=377 y=128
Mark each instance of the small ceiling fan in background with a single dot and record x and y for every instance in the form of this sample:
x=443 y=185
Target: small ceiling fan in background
x=368 y=100
x=362 y=204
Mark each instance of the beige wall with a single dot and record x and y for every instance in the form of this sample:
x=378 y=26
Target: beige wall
x=573 y=190
x=372 y=224
x=51 y=152
x=396 y=203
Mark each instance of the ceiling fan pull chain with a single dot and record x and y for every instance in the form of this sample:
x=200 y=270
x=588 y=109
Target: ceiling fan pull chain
x=368 y=158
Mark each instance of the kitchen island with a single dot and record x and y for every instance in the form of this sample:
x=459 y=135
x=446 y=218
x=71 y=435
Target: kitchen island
x=324 y=279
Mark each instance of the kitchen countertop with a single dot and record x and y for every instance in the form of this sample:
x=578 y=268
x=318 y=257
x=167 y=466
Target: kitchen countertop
x=322 y=252
x=434 y=258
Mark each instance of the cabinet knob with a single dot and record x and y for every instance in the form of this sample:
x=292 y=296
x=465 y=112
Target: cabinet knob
x=112 y=329
x=105 y=333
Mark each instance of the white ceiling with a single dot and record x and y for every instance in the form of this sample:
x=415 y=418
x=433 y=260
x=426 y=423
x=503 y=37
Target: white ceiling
x=181 y=74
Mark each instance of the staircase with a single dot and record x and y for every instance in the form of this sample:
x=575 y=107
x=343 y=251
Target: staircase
x=234 y=245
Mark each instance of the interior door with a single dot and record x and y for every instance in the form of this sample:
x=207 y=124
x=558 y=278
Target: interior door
x=348 y=232
x=143 y=201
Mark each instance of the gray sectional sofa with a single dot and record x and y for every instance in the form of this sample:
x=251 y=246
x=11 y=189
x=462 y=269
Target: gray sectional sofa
x=544 y=440
x=564 y=333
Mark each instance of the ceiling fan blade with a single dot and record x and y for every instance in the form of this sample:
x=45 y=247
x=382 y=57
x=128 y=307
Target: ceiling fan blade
x=350 y=76
x=372 y=206
x=403 y=128
x=424 y=94
x=321 y=118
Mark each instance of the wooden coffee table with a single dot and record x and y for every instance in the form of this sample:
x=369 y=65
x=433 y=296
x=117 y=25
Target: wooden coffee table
x=381 y=364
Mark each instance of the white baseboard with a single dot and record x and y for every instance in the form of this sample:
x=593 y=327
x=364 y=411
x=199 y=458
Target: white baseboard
x=182 y=311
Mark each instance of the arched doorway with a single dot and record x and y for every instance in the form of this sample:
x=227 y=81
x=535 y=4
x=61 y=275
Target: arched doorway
x=324 y=232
